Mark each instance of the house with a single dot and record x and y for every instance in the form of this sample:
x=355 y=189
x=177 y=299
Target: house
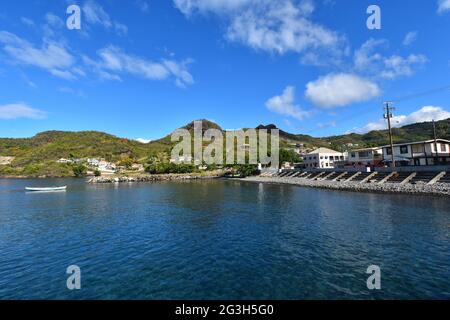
x=182 y=159
x=6 y=160
x=363 y=158
x=323 y=158
x=420 y=153
x=93 y=162
x=287 y=166
x=63 y=160
x=106 y=167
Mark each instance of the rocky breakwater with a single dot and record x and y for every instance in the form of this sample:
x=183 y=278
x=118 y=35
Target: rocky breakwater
x=440 y=189
x=150 y=178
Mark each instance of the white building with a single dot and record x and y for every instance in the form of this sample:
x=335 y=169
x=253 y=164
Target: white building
x=182 y=159
x=421 y=153
x=323 y=158
x=106 y=167
x=6 y=160
x=363 y=158
x=93 y=162
x=63 y=160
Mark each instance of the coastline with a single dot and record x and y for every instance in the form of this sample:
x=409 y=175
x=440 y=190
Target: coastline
x=437 y=189
x=153 y=178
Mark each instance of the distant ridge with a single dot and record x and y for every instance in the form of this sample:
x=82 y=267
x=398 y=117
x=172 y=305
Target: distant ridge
x=38 y=154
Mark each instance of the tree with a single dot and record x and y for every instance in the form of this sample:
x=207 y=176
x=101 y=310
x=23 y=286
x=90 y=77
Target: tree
x=97 y=173
x=79 y=170
x=291 y=156
x=126 y=162
x=246 y=170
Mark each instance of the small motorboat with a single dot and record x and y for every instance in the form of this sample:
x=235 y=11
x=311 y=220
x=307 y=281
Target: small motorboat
x=46 y=189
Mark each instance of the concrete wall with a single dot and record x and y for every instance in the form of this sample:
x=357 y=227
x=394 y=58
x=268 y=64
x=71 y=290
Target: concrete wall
x=415 y=168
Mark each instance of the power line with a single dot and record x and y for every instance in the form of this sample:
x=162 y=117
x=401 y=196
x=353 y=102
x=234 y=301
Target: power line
x=421 y=94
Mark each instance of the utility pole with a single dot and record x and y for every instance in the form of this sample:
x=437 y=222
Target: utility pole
x=388 y=115
x=436 y=160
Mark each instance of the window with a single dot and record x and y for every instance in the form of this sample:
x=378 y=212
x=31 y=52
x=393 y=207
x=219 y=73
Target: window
x=321 y=158
x=403 y=149
x=443 y=147
x=389 y=151
x=363 y=154
x=418 y=148
x=353 y=154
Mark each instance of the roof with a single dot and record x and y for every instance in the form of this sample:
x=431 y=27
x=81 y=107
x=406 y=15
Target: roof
x=365 y=149
x=324 y=150
x=417 y=142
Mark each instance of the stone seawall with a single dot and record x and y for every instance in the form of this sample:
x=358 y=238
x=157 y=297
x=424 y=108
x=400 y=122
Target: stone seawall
x=437 y=189
x=150 y=178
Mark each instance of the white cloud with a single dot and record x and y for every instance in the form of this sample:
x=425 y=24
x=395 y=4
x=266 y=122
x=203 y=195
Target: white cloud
x=369 y=61
x=57 y=59
x=141 y=140
x=113 y=60
x=443 y=6
x=285 y=104
x=54 y=21
x=427 y=113
x=397 y=66
x=95 y=14
x=52 y=56
x=72 y=91
x=143 y=5
x=272 y=26
x=330 y=124
x=410 y=38
x=188 y=7
x=20 y=110
x=28 y=22
x=336 y=90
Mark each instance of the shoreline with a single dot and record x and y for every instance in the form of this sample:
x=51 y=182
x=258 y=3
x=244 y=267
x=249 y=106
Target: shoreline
x=125 y=177
x=437 y=189
x=151 y=178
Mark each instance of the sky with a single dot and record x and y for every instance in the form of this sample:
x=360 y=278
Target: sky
x=142 y=68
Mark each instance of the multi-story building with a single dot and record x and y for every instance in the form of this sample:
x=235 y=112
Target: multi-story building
x=421 y=153
x=323 y=158
x=363 y=158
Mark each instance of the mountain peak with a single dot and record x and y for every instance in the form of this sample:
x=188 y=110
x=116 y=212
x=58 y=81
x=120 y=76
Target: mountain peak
x=206 y=124
x=267 y=127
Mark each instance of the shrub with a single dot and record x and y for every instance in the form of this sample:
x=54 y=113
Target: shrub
x=79 y=170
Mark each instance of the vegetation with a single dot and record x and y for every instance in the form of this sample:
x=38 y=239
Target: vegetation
x=246 y=170
x=164 y=168
x=289 y=156
x=37 y=156
x=79 y=170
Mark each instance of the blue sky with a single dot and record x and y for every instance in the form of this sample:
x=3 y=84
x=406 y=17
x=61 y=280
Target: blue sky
x=142 y=68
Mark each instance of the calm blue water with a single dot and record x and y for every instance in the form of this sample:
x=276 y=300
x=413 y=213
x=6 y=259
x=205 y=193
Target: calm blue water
x=219 y=240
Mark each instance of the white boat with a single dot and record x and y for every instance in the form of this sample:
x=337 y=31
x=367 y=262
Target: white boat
x=46 y=189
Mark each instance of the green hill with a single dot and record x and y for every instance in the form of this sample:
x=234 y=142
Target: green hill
x=37 y=156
